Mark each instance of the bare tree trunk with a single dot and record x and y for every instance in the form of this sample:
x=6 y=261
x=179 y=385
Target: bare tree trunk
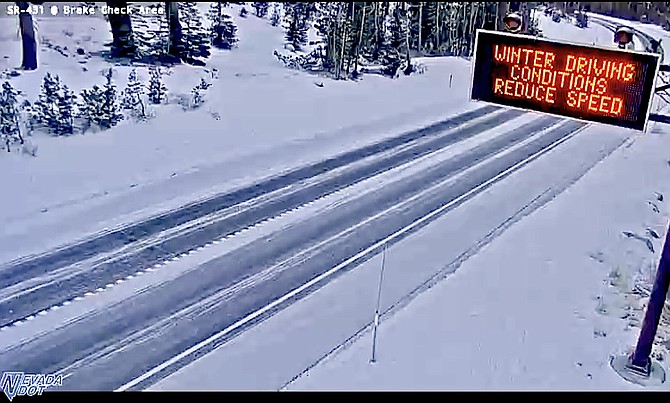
x=438 y=24
x=408 y=59
x=473 y=28
x=28 y=42
x=174 y=26
x=122 y=32
x=340 y=62
x=377 y=37
x=525 y=18
x=360 y=39
x=419 y=47
x=503 y=10
x=350 y=26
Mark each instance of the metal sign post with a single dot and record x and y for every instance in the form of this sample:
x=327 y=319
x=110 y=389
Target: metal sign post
x=639 y=367
x=373 y=358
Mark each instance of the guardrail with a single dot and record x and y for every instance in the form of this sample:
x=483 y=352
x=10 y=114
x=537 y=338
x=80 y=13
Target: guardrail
x=646 y=39
x=662 y=76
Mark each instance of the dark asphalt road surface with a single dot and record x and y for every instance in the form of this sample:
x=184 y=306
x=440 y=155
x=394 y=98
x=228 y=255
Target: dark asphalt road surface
x=108 y=349
x=91 y=278
x=30 y=267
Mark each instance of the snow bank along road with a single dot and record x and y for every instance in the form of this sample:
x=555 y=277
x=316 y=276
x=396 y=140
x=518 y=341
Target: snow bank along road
x=434 y=168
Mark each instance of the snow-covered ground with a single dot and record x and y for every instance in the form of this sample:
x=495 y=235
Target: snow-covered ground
x=544 y=306
x=541 y=308
x=272 y=119
x=567 y=30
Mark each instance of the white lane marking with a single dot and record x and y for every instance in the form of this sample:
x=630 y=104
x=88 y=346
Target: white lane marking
x=342 y=265
x=312 y=202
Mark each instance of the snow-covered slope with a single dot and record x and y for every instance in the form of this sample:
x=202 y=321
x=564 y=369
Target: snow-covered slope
x=271 y=118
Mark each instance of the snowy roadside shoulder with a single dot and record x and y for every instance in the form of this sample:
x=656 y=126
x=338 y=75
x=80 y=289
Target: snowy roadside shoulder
x=544 y=306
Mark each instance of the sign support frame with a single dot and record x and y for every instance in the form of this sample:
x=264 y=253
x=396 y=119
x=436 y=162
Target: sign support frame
x=639 y=367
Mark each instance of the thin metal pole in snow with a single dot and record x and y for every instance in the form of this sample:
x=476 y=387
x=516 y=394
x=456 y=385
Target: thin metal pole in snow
x=652 y=316
x=639 y=367
x=379 y=297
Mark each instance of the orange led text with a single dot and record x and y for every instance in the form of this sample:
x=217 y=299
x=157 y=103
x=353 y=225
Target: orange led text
x=569 y=80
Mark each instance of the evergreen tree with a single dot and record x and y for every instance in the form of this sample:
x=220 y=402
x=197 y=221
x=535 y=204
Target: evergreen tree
x=275 y=14
x=384 y=33
x=131 y=98
x=243 y=12
x=159 y=32
x=326 y=27
x=223 y=32
x=109 y=110
x=156 y=90
x=261 y=8
x=66 y=112
x=47 y=103
x=90 y=107
x=175 y=48
x=150 y=34
x=10 y=129
x=29 y=117
x=194 y=36
x=197 y=92
x=430 y=13
x=296 y=25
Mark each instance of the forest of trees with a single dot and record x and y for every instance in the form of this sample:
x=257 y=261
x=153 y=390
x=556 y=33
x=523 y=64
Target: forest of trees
x=353 y=36
x=384 y=35
x=349 y=38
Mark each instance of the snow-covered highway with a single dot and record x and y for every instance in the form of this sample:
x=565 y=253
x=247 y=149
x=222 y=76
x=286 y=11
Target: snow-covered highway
x=219 y=273
x=175 y=315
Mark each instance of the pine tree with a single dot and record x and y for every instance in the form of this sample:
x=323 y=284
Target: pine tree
x=109 y=110
x=29 y=117
x=243 y=12
x=197 y=92
x=275 y=14
x=47 y=103
x=296 y=25
x=150 y=34
x=90 y=107
x=10 y=129
x=223 y=32
x=131 y=98
x=156 y=90
x=66 y=112
x=430 y=13
x=195 y=37
x=160 y=38
x=261 y=8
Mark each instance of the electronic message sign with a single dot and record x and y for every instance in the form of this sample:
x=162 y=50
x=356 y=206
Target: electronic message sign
x=590 y=83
